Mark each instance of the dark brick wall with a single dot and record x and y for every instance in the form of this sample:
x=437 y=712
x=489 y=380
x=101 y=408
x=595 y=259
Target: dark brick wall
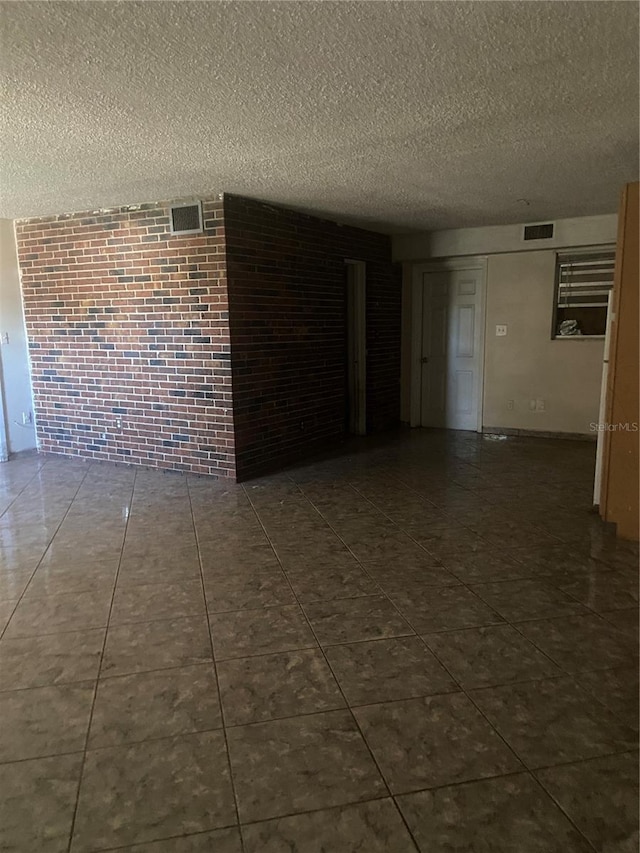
x=286 y=282
x=129 y=337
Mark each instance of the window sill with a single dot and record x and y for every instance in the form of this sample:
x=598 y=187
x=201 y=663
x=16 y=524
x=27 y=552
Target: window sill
x=578 y=338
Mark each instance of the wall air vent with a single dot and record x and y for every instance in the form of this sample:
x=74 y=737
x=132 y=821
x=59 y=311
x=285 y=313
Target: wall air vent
x=186 y=218
x=538 y=232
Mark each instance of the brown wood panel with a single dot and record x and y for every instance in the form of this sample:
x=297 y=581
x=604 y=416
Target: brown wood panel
x=620 y=480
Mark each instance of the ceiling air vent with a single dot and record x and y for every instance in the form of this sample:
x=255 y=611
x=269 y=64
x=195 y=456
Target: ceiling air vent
x=186 y=218
x=538 y=232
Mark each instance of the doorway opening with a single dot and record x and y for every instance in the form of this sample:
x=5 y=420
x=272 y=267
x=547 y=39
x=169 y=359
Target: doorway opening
x=356 y=348
x=448 y=345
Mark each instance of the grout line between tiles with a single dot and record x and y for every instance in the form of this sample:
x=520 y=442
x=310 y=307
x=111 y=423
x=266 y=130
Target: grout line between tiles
x=53 y=535
x=348 y=708
x=95 y=689
x=215 y=672
x=22 y=490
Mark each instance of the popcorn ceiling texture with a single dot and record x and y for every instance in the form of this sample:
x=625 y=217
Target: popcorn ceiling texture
x=401 y=115
x=135 y=334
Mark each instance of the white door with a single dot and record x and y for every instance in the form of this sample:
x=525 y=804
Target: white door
x=451 y=359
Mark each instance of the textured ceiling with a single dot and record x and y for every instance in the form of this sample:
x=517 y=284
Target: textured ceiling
x=398 y=115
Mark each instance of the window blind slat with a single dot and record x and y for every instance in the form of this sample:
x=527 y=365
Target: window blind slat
x=585 y=280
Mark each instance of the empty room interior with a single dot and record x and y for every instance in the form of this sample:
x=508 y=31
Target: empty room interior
x=319 y=427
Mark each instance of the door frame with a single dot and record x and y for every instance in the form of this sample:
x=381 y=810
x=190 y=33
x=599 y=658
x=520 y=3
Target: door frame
x=357 y=326
x=473 y=262
x=4 y=427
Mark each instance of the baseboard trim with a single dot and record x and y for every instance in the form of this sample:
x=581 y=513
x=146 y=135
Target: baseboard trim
x=535 y=433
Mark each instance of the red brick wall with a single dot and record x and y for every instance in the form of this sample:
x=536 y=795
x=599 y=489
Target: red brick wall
x=287 y=307
x=128 y=323
x=130 y=337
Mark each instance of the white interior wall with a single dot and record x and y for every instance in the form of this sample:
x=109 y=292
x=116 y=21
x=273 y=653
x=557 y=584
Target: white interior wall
x=491 y=240
x=525 y=364
x=14 y=355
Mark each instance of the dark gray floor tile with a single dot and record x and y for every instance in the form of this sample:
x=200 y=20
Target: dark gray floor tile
x=52 y=659
x=618 y=555
x=447 y=538
x=78 y=576
x=428 y=742
x=397 y=576
x=550 y=561
x=309 y=549
x=55 y=613
x=12 y=583
x=153 y=790
x=581 y=643
x=6 y=609
x=503 y=815
x=393 y=546
x=148 y=602
x=626 y=621
x=44 y=721
x=618 y=689
x=281 y=685
x=352 y=619
x=374 y=827
x=601 y=798
x=156 y=704
x=312 y=584
x=254 y=632
x=451 y=491
x=473 y=567
x=171 y=566
x=217 y=560
x=361 y=529
x=497 y=654
x=218 y=841
x=300 y=764
x=383 y=670
x=155 y=645
x=317 y=564
x=157 y=552
x=602 y=591
x=246 y=590
x=231 y=532
x=553 y=722
x=66 y=549
x=444 y=609
x=518 y=535
x=37 y=803
x=527 y=599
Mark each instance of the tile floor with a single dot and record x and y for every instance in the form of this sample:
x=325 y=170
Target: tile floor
x=427 y=643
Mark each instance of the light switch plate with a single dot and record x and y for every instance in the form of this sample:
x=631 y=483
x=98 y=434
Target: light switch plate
x=501 y=331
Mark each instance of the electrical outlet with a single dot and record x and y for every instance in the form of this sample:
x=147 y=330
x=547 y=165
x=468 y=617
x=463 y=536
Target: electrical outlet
x=539 y=405
x=510 y=405
x=501 y=330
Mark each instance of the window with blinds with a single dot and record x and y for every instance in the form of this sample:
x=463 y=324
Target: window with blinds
x=583 y=283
